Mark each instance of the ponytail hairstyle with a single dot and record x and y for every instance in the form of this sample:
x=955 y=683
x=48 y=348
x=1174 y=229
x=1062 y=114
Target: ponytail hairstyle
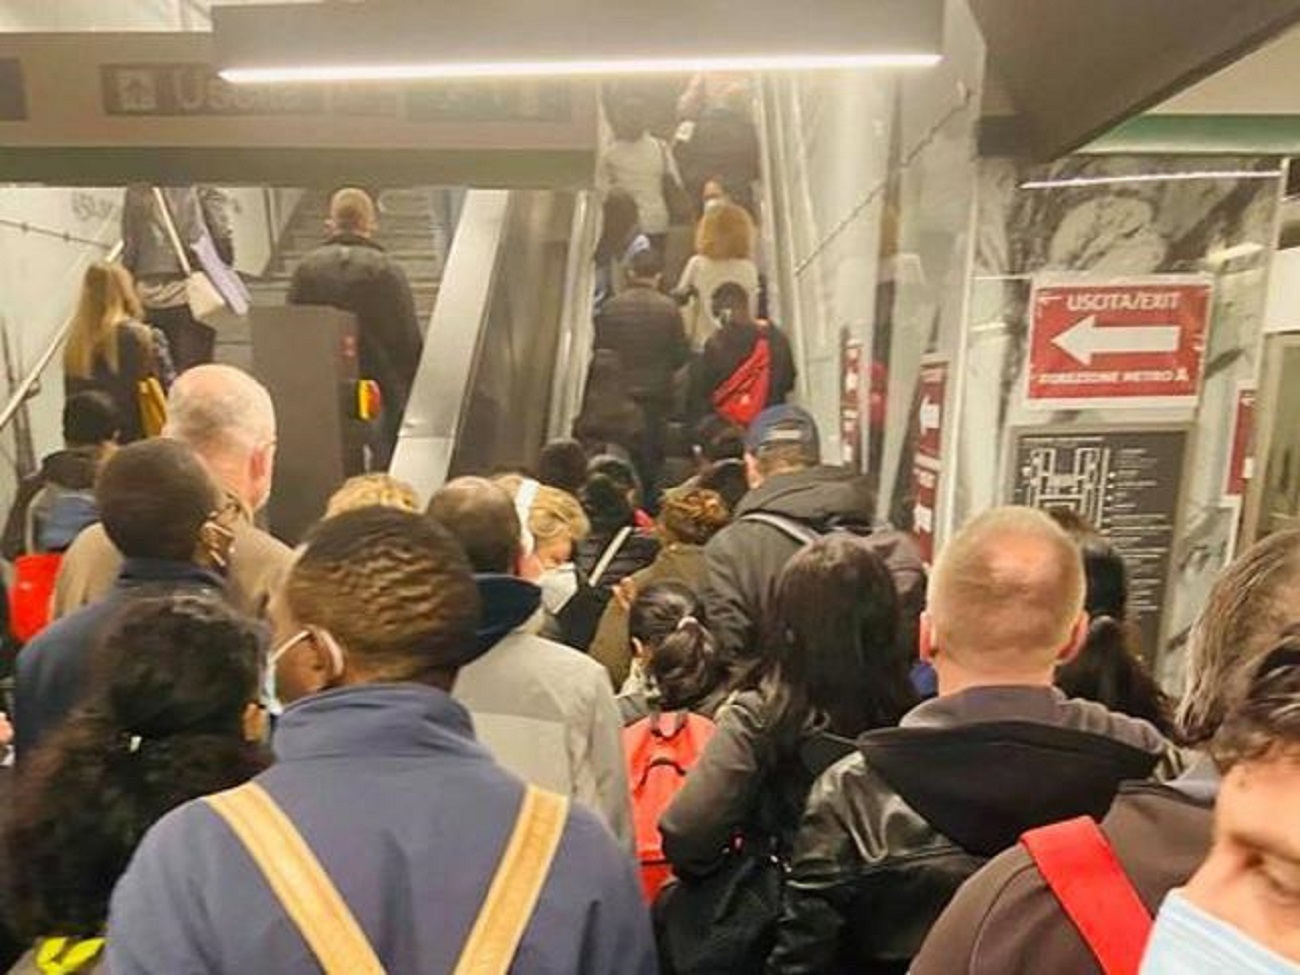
x=683 y=664
x=165 y=724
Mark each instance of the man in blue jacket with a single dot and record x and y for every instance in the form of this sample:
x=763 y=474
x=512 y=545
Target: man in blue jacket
x=163 y=511
x=379 y=772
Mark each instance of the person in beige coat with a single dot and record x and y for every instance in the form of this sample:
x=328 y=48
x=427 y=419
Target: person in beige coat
x=226 y=417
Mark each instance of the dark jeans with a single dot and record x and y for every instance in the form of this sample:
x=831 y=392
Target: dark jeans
x=649 y=460
x=190 y=342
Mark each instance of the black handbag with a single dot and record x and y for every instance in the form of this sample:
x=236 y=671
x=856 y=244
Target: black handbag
x=722 y=923
x=680 y=210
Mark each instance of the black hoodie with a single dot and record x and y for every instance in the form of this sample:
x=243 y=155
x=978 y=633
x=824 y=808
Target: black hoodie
x=745 y=558
x=73 y=469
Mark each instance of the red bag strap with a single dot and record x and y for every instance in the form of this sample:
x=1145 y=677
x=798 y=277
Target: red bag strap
x=1088 y=880
x=749 y=371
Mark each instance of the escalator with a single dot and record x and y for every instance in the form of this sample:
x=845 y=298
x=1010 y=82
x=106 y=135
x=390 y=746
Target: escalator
x=506 y=349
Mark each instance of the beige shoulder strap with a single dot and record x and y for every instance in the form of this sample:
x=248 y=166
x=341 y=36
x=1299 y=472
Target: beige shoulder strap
x=328 y=925
x=515 y=889
x=298 y=880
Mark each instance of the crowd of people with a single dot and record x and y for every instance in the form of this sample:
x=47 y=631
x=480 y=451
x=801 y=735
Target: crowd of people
x=670 y=699
x=679 y=337
x=532 y=727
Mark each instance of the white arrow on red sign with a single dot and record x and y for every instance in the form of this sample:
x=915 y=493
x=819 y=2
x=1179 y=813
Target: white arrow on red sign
x=1087 y=338
x=931 y=414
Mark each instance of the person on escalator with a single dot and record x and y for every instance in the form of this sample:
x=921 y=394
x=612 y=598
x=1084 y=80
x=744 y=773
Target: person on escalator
x=642 y=326
x=747 y=365
x=352 y=272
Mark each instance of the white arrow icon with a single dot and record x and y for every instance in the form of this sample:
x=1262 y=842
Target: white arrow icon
x=923 y=516
x=930 y=415
x=1085 y=339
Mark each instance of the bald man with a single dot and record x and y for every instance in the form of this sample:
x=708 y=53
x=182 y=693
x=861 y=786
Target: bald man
x=891 y=832
x=226 y=417
x=350 y=271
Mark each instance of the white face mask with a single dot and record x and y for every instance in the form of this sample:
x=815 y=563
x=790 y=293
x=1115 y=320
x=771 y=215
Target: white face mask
x=270 y=689
x=1188 y=941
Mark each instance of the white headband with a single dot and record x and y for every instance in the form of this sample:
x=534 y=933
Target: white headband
x=524 y=499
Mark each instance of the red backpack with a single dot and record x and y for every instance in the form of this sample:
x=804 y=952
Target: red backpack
x=744 y=395
x=1090 y=884
x=660 y=750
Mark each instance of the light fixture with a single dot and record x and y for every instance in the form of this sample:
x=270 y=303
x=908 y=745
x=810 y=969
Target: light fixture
x=1236 y=252
x=452 y=70
x=405 y=40
x=1077 y=181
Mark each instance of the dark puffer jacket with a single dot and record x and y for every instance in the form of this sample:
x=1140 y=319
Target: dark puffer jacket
x=746 y=557
x=645 y=329
x=891 y=832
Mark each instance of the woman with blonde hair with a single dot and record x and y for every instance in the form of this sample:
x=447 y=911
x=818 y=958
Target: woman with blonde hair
x=371 y=491
x=109 y=350
x=724 y=253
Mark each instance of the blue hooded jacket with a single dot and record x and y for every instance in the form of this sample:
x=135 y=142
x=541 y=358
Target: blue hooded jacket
x=409 y=817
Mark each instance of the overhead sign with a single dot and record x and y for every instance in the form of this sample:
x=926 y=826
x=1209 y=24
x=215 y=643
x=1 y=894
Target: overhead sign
x=13 y=96
x=1134 y=342
x=1126 y=482
x=927 y=463
x=108 y=108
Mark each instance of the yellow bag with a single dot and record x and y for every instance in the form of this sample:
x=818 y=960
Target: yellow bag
x=153 y=406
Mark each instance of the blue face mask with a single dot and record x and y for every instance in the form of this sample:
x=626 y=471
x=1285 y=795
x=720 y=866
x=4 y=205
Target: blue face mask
x=1187 y=941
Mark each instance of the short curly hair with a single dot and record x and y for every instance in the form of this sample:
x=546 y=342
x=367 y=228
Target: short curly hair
x=394 y=588
x=725 y=233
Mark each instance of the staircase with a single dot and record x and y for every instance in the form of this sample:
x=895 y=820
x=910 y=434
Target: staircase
x=415 y=229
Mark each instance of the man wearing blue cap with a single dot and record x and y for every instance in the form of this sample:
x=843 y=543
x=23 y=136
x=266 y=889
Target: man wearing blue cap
x=793 y=498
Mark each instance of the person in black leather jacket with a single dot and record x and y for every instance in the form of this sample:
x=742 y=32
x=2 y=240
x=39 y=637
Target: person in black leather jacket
x=834 y=665
x=893 y=830
x=352 y=272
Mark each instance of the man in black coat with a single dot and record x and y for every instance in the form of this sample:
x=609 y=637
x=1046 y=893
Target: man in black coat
x=353 y=273
x=644 y=327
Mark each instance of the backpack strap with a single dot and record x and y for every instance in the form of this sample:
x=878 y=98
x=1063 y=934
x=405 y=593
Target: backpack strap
x=607 y=556
x=1088 y=880
x=792 y=529
x=517 y=886
x=298 y=881
x=328 y=925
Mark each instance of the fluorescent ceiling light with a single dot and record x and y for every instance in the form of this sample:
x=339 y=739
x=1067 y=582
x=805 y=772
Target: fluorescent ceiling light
x=430 y=71
x=1055 y=184
x=415 y=40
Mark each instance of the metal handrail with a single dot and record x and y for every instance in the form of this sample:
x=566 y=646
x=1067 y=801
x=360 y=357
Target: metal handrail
x=24 y=388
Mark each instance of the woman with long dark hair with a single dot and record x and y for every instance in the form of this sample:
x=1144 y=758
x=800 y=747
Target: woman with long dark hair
x=173 y=717
x=833 y=665
x=1109 y=668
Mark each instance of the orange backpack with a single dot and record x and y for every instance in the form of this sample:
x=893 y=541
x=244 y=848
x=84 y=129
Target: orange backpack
x=660 y=750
